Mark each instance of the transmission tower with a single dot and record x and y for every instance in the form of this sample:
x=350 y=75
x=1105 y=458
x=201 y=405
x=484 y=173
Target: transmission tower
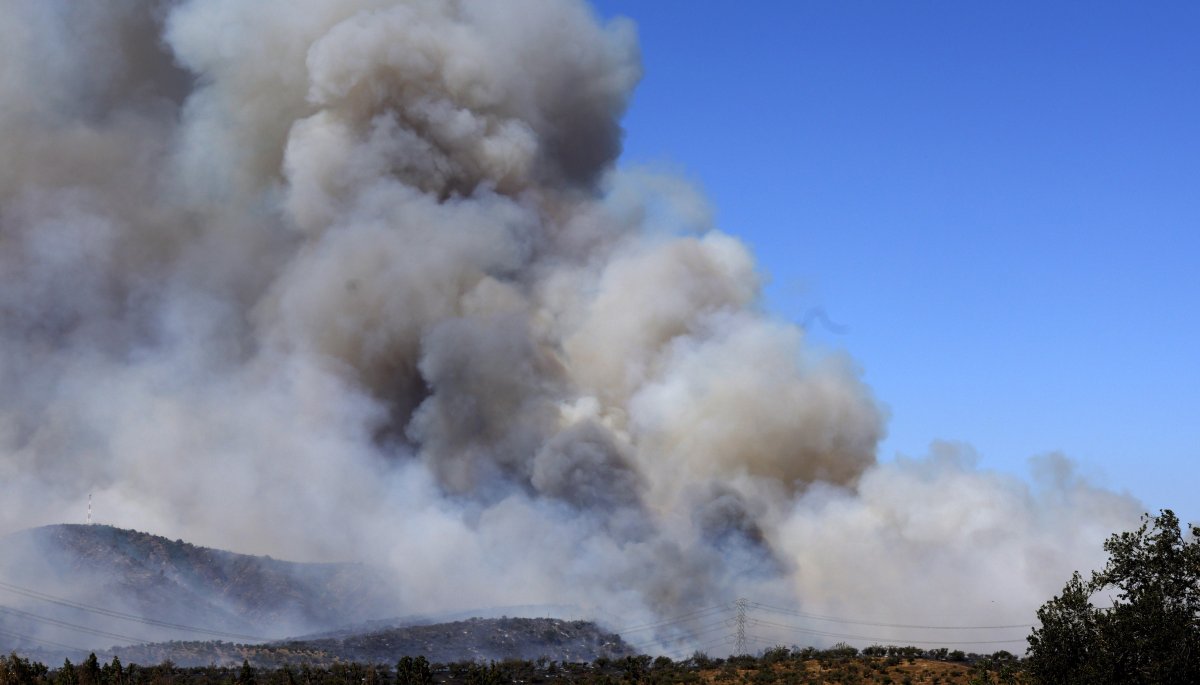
x=739 y=645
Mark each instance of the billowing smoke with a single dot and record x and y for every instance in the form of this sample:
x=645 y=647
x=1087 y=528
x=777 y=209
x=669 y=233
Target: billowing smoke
x=358 y=279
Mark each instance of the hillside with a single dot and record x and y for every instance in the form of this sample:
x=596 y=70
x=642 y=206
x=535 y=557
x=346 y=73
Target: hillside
x=69 y=589
x=471 y=640
x=112 y=586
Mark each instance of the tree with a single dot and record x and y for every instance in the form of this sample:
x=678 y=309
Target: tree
x=114 y=673
x=89 y=671
x=67 y=674
x=247 y=675
x=15 y=670
x=1151 y=633
x=413 y=671
x=1064 y=649
x=634 y=668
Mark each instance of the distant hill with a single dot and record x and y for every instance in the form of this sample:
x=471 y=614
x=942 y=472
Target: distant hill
x=69 y=589
x=77 y=585
x=472 y=640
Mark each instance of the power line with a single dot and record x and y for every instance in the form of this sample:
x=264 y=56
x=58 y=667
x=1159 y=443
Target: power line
x=723 y=641
x=708 y=629
x=71 y=626
x=692 y=635
x=875 y=624
x=112 y=613
x=37 y=639
x=700 y=630
x=762 y=641
x=868 y=638
x=739 y=636
x=691 y=615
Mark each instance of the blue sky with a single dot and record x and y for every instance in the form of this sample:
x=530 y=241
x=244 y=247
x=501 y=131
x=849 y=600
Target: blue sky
x=999 y=201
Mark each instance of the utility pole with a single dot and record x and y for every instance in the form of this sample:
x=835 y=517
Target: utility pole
x=739 y=645
x=89 y=518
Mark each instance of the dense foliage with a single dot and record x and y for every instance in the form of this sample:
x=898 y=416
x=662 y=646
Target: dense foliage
x=1150 y=634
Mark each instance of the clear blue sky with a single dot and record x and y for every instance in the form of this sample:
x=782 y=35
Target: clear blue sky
x=1000 y=200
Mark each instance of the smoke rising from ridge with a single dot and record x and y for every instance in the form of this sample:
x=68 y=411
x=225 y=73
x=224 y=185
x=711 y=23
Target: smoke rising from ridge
x=358 y=279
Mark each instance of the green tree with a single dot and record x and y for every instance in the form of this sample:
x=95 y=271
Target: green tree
x=113 y=673
x=15 y=670
x=67 y=674
x=246 y=676
x=89 y=671
x=1151 y=634
x=162 y=674
x=481 y=674
x=1065 y=648
x=413 y=671
x=634 y=668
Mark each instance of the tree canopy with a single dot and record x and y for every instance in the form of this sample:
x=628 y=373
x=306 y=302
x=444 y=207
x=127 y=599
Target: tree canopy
x=1151 y=631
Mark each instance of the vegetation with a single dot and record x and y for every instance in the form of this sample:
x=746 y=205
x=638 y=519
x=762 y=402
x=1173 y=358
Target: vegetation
x=477 y=639
x=1150 y=634
x=776 y=666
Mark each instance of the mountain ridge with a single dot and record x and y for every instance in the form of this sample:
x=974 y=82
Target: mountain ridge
x=113 y=573
x=85 y=587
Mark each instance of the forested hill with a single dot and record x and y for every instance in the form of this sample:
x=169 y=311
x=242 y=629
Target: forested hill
x=472 y=640
x=66 y=590
x=127 y=573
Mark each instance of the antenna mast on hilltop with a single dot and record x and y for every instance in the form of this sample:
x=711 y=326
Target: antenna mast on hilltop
x=89 y=518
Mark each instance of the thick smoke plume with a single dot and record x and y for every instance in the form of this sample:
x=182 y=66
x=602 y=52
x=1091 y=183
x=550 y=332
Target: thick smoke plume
x=358 y=279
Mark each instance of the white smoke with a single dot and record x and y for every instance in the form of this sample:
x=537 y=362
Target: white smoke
x=357 y=279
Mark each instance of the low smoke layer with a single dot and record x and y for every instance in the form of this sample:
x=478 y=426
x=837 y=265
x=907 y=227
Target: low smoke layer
x=357 y=279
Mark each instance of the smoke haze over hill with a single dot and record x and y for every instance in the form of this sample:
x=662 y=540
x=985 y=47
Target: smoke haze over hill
x=104 y=579
x=359 y=280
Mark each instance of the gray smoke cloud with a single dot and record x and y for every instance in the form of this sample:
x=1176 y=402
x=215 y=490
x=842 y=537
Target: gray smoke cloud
x=358 y=279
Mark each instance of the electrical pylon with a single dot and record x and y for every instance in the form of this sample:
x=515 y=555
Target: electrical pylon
x=739 y=645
